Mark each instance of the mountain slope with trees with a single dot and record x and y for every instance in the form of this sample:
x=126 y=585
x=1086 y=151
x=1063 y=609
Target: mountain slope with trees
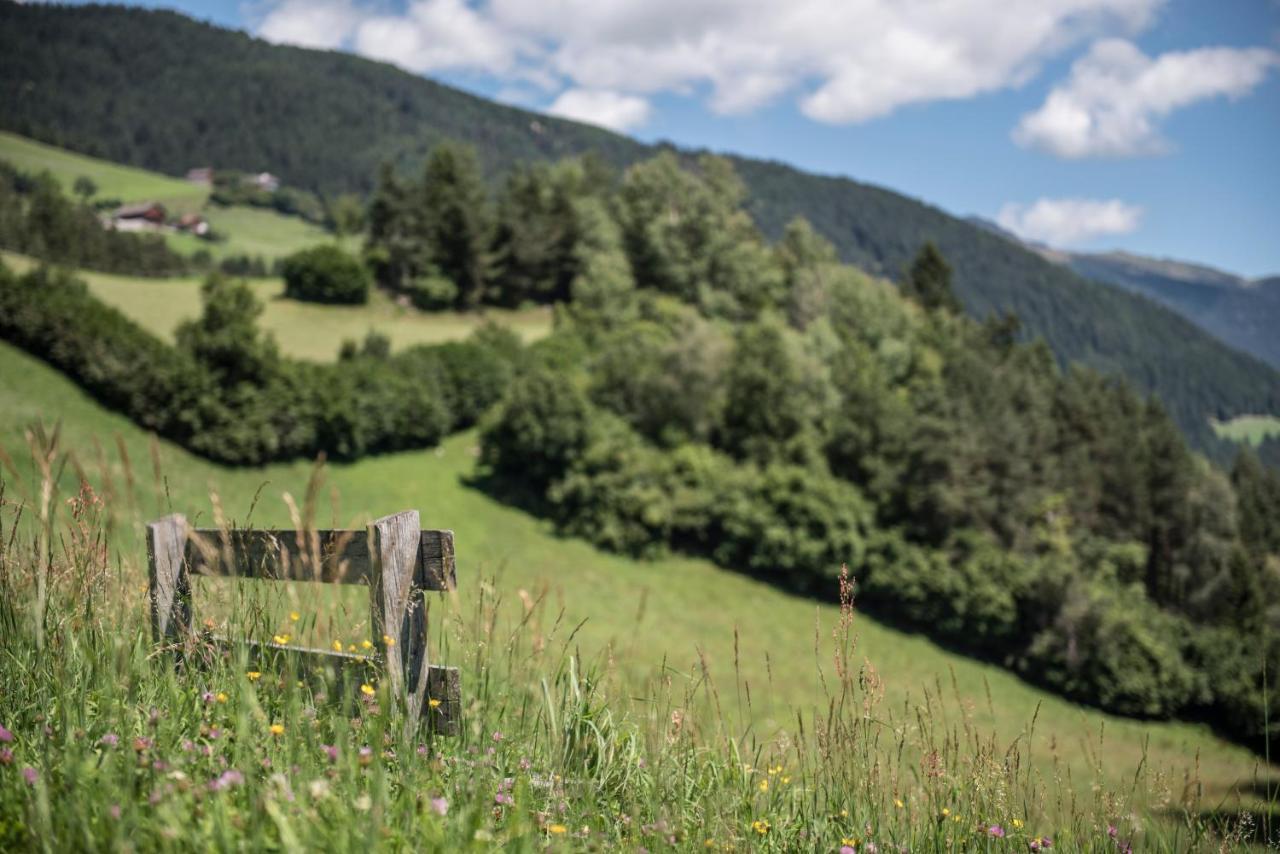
x=163 y=91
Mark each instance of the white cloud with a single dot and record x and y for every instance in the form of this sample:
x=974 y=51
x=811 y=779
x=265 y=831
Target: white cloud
x=434 y=35
x=1112 y=102
x=1067 y=222
x=612 y=110
x=842 y=62
x=327 y=24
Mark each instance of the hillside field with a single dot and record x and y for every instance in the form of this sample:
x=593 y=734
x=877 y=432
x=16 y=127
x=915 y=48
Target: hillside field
x=649 y=618
x=1248 y=429
x=249 y=231
x=303 y=330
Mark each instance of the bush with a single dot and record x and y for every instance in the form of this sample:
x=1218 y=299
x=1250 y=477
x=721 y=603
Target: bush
x=226 y=393
x=326 y=274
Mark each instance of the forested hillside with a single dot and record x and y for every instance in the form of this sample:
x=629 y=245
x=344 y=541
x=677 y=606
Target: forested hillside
x=159 y=90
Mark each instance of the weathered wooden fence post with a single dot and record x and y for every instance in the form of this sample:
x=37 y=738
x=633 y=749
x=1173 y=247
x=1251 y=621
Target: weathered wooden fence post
x=397 y=559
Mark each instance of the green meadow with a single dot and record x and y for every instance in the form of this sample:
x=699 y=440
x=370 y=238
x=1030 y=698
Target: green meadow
x=1248 y=429
x=303 y=330
x=248 y=231
x=648 y=619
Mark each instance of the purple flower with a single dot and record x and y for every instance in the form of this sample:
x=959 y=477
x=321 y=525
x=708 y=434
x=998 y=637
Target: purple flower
x=114 y=811
x=208 y=697
x=847 y=849
x=525 y=763
x=996 y=830
x=366 y=755
x=30 y=775
x=109 y=740
x=331 y=751
x=5 y=735
x=6 y=756
x=225 y=780
x=503 y=798
x=141 y=744
x=188 y=745
x=1111 y=831
x=1046 y=842
x=497 y=736
x=439 y=806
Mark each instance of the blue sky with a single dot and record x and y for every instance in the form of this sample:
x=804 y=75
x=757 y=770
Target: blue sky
x=1147 y=125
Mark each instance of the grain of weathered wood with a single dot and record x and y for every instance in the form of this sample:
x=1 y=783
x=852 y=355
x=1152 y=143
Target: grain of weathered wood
x=326 y=556
x=169 y=588
x=398 y=611
x=445 y=685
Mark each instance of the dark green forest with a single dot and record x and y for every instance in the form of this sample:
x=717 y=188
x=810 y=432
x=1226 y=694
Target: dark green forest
x=159 y=90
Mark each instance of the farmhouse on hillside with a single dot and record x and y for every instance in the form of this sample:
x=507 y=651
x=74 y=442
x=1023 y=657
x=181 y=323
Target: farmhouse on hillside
x=143 y=216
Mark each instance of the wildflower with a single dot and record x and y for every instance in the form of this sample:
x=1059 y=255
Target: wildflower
x=848 y=849
x=1017 y=824
x=221 y=697
x=366 y=644
x=109 y=740
x=280 y=639
x=497 y=736
x=337 y=646
x=388 y=640
x=366 y=755
x=294 y=616
x=764 y=785
x=351 y=648
x=433 y=702
x=330 y=751
x=556 y=828
x=503 y=798
x=897 y=802
x=786 y=781
x=946 y=811
x=5 y=735
x=318 y=788
x=227 y=779
x=760 y=826
x=367 y=690
x=1111 y=831
x=207 y=697
x=114 y=812
x=996 y=831
x=277 y=729
x=142 y=743
x=30 y=775
x=363 y=803
x=6 y=756
x=439 y=806
x=254 y=675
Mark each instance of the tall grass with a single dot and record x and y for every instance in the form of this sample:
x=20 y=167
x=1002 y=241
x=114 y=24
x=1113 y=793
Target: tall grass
x=109 y=745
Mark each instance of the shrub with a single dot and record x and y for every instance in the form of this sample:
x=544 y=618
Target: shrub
x=325 y=274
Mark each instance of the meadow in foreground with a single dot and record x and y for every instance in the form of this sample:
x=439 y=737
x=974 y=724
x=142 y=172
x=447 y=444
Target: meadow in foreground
x=108 y=745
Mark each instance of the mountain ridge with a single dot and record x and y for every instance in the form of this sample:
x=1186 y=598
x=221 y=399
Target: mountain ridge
x=324 y=120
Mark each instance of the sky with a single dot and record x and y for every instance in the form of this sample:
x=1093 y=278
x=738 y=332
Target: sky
x=1151 y=126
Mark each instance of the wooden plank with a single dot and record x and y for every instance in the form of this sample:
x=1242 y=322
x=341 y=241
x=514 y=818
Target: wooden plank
x=168 y=587
x=398 y=612
x=326 y=556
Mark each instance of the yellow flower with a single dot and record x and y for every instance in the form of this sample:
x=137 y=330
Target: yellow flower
x=897 y=802
x=764 y=785
x=946 y=811
x=366 y=644
x=851 y=843
x=844 y=813
x=433 y=702
x=294 y=616
x=277 y=729
x=281 y=639
x=710 y=843
x=367 y=690
x=760 y=826
x=253 y=675
x=388 y=640
x=221 y=698
x=786 y=780
x=1017 y=823
x=556 y=828
x=351 y=648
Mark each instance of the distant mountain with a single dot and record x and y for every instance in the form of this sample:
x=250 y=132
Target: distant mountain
x=160 y=90
x=1241 y=312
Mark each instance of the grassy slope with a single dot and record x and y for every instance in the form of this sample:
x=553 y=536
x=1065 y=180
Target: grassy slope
x=1248 y=429
x=250 y=231
x=648 y=613
x=304 y=330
